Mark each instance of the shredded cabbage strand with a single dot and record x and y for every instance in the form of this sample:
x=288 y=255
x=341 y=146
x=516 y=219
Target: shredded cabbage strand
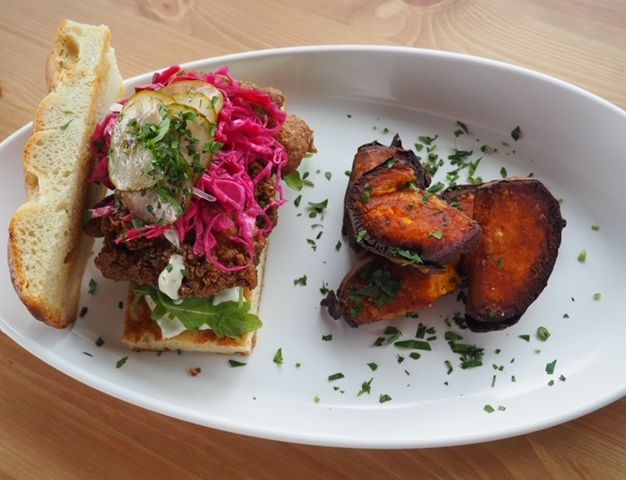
x=247 y=128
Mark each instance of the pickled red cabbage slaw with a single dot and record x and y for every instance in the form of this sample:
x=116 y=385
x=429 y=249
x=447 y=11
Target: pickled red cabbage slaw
x=247 y=128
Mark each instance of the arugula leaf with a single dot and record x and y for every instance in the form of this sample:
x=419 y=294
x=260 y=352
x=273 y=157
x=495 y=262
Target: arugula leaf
x=227 y=319
x=294 y=181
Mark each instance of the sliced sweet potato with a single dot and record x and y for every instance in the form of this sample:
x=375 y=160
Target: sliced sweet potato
x=376 y=289
x=461 y=197
x=521 y=232
x=370 y=156
x=394 y=218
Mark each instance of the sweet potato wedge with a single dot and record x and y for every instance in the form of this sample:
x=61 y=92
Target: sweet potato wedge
x=521 y=232
x=370 y=156
x=376 y=289
x=394 y=218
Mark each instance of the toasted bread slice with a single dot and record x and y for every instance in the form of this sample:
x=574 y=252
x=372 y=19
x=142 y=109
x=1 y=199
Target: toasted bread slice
x=47 y=250
x=376 y=289
x=521 y=223
x=143 y=333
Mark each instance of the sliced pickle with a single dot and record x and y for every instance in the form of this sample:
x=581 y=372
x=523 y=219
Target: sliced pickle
x=158 y=206
x=200 y=130
x=197 y=94
x=130 y=163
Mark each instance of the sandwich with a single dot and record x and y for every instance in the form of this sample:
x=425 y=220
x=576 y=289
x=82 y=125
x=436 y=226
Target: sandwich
x=194 y=162
x=192 y=165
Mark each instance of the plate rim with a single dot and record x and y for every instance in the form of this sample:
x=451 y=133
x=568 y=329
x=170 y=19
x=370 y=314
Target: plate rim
x=239 y=427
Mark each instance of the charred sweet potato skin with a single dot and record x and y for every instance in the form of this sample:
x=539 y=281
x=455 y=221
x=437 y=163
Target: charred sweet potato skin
x=521 y=234
x=393 y=218
x=376 y=289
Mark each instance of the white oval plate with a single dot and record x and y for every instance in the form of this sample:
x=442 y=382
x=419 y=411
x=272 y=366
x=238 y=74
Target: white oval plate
x=573 y=141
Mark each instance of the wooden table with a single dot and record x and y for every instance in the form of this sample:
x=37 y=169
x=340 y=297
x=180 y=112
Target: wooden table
x=54 y=427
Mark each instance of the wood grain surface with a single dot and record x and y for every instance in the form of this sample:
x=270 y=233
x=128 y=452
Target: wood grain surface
x=52 y=427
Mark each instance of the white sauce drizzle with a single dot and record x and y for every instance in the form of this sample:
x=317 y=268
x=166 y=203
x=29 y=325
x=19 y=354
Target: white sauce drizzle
x=228 y=295
x=171 y=278
x=172 y=237
x=170 y=326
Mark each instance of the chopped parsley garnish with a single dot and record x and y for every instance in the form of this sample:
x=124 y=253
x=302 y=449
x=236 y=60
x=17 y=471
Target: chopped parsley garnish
x=347 y=173
x=278 y=357
x=582 y=256
x=488 y=408
x=65 y=125
x=327 y=338
x=562 y=378
x=503 y=172
x=380 y=287
x=328 y=175
x=338 y=245
x=294 y=181
x=428 y=140
x=335 y=376
x=449 y=367
x=120 y=363
x=566 y=315
x=366 y=196
x=317 y=208
x=385 y=130
x=399 y=358
x=236 y=363
x=411 y=257
x=297 y=200
x=311 y=242
x=99 y=342
x=373 y=366
x=384 y=398
x=516 y=133
x=543 y=334
x=595 y=228
x=550 y=367
x=360 y=235
x=526 y=338
x=438 y=234
x=93 y=286
x=462 y=128
x=83 y=312
x=324 y=288
x=471 y=355
x=379 y=342
x=550 y=383
x=421 y=331
x=300 y=280
x=298 y=364
x=366 y=387
x=414 y=355
x=316 y=399
x=493 y=381
x=597 y=296
x=413 y=344
x=393 y=333
x=501 y=408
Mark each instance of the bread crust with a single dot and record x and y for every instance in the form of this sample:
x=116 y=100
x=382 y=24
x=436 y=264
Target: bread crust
x=47 y=251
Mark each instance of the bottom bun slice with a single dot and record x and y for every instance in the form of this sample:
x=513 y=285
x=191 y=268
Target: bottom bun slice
x=141 y=332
